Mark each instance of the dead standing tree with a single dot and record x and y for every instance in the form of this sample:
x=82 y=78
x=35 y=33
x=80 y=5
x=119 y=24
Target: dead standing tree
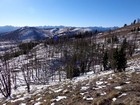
x=26 y=74
x=5 y=78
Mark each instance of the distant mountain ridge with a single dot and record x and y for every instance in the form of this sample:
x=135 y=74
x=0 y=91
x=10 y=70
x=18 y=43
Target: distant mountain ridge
x=42 y=32
x=7 y=28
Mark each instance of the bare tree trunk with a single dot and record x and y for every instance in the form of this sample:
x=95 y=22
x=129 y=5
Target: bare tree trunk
x=5 y=78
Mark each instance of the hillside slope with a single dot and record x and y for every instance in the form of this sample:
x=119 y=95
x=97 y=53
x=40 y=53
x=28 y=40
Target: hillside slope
x=100 y=89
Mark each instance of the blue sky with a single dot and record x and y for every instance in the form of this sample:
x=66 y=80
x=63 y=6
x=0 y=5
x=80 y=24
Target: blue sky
x=81 y=13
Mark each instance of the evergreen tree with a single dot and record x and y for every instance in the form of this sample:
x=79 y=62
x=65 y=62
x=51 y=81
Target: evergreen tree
x=125 y=25
x=138 y=29
x=71 y=69
x=109 y=40
x=122 y=61
x=115 y=39
x=96 y=31
x=121 y=57
x=124 y=44
x=115 y=59
x=105 y=60
x=134 y=22
x=131 y=49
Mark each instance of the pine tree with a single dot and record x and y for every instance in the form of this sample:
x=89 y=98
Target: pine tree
x=138 y=29
x=105 y=60
x=134 y=22
x=122 y=61
x=125 y=25
x=124 y=44
x=115 y=59
x=121 y=58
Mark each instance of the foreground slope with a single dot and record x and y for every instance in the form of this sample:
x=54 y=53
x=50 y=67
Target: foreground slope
x=101 y=89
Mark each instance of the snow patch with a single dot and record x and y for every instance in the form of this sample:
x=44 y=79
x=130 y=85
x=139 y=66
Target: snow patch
x=19 y=99
x=38 y=103
x=22 y=104
x=58 y=98
x=110 y=78
x=127 y=82
x=57 y=91
x=82 y=94
x=89 y=99
x=84 y=88
x=118 y=87
x=39 y=98
x=53 y=103
x=103 y=93
x=124 y=94
x=99 y=82
x=114 y=99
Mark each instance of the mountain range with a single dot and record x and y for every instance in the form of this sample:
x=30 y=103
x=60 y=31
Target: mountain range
x=7 y=28
x=41 y=32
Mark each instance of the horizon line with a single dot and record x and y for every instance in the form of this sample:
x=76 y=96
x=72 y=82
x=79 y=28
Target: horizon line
x=56 y=26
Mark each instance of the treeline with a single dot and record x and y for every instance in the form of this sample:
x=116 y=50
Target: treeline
x=136 y=29
x=86 y=53
x=116 y=58
x=24 y=48
x=64 y=38
x=136 y=21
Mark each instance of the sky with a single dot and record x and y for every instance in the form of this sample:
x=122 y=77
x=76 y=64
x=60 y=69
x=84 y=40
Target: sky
x=80 y=13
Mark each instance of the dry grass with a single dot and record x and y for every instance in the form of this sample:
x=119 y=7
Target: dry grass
x=130 y=83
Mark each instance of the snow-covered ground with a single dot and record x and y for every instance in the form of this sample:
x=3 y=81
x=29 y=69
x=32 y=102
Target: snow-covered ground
x=6 y=45
x=42 y=52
